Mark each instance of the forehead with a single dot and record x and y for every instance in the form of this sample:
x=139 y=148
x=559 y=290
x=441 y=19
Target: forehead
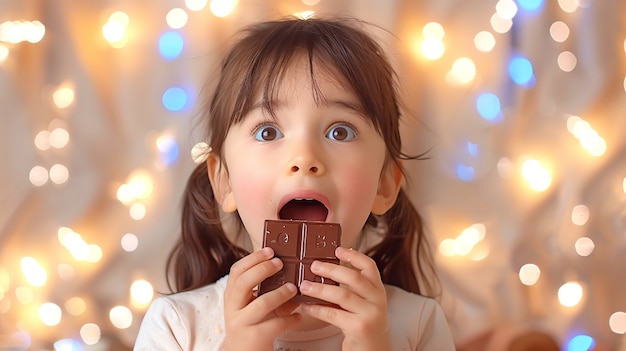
x=302 y=74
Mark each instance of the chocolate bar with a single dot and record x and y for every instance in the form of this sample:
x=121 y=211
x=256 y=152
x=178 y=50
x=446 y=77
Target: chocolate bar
x=298 y=244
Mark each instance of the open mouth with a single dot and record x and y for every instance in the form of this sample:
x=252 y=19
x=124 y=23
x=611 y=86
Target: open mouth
x=304 y=210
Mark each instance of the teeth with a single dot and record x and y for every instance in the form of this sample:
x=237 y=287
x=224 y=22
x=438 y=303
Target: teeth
x=303 y=198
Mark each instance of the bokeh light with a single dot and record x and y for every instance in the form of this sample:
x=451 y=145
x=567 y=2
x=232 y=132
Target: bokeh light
x=433 y=30
x=567 y=61
x=529 y=274
x=463 y=72
x=59 y=174
x=141 y=292
x=506 y=9
x=33 y=271
x=488 y=106
x=176 y=18
x=121 y=317
x=137 y=211
x=114 y=30
x=90 y=333
x=617 y=322
x=588 y=138
x=4 y=53
x=15 y=32
x=171 y=44
x=196 y=5
x=432 y=48
x=38 y=176
x=75 y=306
x=50 y=314
x=570 y=294
x=68 y=345
x=222 y=8
x=501 y=25
x=581 y=343
x=569 y=6
x=63 y=97
x=537 y=176
x=174 y=99
x=484 y=41
x=580 y=215
x=168 y=149
x=559 y=31
x=465 y=173
x=129 y=242
x=530 y=5
x=584 y=246
x=521 y=71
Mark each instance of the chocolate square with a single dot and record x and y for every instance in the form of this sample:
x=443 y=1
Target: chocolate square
x=298 y=244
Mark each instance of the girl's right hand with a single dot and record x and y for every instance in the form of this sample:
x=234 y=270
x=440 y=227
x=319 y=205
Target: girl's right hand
x=252 y=323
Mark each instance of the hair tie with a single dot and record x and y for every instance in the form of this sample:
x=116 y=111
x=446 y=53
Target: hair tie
x=200 y=152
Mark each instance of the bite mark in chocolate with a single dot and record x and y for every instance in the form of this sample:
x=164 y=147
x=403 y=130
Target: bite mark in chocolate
x=298 y=244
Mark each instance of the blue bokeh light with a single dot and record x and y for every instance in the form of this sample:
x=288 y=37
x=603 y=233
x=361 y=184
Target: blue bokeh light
x=169 y=150
x=488 y=106
x=581 y=342
x=171 y=44
x=68 y=345
x=530 y=5
x=174 y=99
x=472 y=149
x=465 y=173
x=521 y=71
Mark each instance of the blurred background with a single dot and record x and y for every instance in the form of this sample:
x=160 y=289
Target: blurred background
x=520 y=103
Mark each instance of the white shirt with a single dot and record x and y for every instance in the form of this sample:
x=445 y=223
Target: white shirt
x=194 y=320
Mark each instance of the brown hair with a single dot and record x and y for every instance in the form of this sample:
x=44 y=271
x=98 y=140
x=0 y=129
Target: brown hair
x=256 y=65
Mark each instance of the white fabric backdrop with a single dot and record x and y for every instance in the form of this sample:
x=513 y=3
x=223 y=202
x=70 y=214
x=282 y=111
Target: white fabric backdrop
x=117 y=117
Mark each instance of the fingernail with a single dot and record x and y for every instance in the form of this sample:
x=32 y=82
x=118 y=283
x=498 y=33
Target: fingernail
x=267 y=251
x=277 y=262
x=291 y=287
x=305 y=285
x=315 y=266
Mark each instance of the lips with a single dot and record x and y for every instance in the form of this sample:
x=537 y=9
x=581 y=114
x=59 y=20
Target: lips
x=307 y=208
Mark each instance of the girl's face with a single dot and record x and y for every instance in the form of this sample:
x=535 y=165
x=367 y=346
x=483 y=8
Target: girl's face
x=316 y=161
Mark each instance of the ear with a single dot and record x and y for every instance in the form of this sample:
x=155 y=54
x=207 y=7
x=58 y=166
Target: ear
x=220 y=182
x=388 y=188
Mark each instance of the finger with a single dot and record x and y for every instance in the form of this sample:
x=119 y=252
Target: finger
x=330 y=315
x=338 y=295
x=362 y=263
x=240 y=285
x=348 y=278
x=270 y=303
x=251 y=260
x=279 y=325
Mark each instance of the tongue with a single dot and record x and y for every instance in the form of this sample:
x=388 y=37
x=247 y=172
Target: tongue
x=304 y=210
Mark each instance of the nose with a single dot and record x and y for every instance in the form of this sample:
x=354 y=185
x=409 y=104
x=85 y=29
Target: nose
x=306 y=160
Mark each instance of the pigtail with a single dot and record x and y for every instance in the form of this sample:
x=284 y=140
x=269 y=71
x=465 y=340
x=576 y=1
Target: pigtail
x=403 y=256
x=203 y=254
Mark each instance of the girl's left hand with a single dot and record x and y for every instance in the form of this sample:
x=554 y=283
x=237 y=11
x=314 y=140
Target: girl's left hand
x=361 y=294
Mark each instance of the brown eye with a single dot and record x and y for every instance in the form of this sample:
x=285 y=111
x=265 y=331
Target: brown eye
x=341 y=133
x=268 y=133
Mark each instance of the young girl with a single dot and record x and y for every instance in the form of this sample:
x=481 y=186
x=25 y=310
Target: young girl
x=302 y=125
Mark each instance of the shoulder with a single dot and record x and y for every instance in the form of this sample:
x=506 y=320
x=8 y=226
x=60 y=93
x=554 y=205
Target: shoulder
x=416 y=321
x=182 y=319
